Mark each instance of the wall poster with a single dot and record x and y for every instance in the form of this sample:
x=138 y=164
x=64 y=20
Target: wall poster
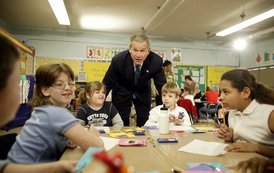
x=197 y=73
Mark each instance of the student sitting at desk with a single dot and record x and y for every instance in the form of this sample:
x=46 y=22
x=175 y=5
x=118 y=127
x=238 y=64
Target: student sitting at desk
x=189 y=80
x=9 y=103
x=211 y=98
x=45 y=135
x=95 y=107
x=170 y=96
x=188 y=95
x=189 y=92
x=251 y=113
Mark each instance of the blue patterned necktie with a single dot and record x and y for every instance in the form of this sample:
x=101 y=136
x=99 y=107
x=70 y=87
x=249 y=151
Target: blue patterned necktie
x=137 y=73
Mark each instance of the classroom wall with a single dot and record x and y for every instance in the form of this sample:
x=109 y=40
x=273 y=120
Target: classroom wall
x=264 y=76
x=262 y=48
x=74 y=45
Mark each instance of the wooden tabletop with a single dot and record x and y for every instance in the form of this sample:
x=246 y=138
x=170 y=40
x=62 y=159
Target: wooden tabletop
x=164 y=157
x=180 y=159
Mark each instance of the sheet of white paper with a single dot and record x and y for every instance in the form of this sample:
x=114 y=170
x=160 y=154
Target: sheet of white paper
x=205 y=148
x=184 y=128
x=109 y=143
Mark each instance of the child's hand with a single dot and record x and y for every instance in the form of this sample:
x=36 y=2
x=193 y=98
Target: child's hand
x=242 y=147
x=225 y=133
x=171 y=118
x=178 y=121
x=255 y=165
x=94 y=131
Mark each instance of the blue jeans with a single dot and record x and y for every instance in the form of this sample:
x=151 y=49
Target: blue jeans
x=203 y=111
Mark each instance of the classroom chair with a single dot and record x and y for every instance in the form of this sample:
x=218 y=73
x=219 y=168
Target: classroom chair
x=190 y=108
x=212 y=111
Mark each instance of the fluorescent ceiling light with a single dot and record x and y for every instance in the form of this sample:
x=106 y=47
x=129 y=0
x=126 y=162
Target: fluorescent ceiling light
x=246 y=23
x=103 y=22
x=239 y=44
x=59 y=10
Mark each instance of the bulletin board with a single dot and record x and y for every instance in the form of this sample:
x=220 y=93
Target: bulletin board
x=26 y=63
x=95 y=70
x=26 y=53
x=23 y=62
x=29 y=64
x=197 y=73
x=73 y=63
x=214 y=74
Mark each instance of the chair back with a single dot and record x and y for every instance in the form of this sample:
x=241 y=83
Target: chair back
x=212 y=110
x=190 y=108
x=185 y=103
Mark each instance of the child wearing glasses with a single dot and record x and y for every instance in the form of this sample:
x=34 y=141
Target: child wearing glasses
x=95 y=110
x=45 y=135
x=9 y=103
x=177 y=114
x=251 y=113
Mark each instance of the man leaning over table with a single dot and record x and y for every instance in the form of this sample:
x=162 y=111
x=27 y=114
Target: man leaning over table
x=129 y=77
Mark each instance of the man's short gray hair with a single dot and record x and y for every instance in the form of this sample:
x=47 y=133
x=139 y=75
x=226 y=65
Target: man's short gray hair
x=139 y=38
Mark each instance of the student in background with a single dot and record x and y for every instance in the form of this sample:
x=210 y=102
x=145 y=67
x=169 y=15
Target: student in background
x=189 y=92
x=170 y=77
x=187 y=100
x=95 y=107
x=211 y=98
x=170 y=96
x=9 y=103
x=129 y=77
x=251 y=113
x=45 y=135
x=197 y=92
x=167 y=66
x=188 y=79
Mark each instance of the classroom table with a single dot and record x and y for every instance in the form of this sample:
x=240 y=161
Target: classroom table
x=179 y=159
x=141 y=158
x=164 y=157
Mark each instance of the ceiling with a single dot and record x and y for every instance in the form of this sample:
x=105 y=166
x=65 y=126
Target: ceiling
x=173 y=19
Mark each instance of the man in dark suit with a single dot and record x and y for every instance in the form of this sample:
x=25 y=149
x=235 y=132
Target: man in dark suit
x=128 y=85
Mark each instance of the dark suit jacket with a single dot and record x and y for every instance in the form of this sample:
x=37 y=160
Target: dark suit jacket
x=120 y=78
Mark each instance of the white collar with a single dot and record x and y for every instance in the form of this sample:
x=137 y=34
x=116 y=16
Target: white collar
x=248 y=110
